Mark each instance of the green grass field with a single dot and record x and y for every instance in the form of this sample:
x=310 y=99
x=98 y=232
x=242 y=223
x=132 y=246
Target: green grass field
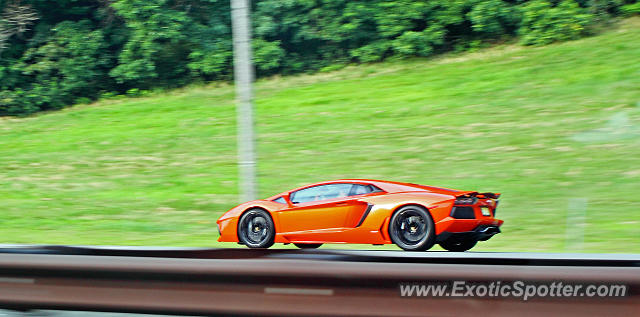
x=543 y=125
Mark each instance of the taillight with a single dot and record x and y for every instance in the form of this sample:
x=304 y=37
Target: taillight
x=465 y=201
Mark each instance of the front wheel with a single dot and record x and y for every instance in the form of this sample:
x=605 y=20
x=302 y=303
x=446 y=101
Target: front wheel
x=308 y=245
x=457 y=245
x=256 y=229
x=412 y=229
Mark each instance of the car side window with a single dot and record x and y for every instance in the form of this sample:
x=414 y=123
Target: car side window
x=359 y=189
x=280 y=200
x=321 y=192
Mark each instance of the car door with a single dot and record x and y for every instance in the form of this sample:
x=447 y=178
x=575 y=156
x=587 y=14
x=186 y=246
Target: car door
x=359 y=209
x=319 y=207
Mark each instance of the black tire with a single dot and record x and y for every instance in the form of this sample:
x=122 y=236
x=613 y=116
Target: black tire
x=308 y=245
x=256 y=229
x=458 y=245
x=412 y=229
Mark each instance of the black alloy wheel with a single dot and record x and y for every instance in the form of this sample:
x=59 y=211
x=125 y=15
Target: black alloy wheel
x=256 y=229
x=412 y=229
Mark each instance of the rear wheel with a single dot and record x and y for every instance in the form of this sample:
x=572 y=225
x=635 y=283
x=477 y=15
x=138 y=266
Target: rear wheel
x=308 y=245
x=458 y=245
x=412 y=229
x=256 y=229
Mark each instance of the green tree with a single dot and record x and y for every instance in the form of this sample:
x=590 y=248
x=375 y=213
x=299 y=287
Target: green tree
x=158 y=45
x=543 y=23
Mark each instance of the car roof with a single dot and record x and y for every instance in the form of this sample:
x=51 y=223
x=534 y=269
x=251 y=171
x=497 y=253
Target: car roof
x=387 y=186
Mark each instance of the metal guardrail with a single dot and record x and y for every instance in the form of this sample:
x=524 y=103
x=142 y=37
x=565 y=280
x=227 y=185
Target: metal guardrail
x=299 y=282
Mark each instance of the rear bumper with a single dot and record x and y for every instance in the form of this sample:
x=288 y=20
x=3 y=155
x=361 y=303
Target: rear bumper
x=480 y=233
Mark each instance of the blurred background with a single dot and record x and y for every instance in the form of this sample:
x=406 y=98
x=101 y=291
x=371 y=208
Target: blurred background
x=117 y=117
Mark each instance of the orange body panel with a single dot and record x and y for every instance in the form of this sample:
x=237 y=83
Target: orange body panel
x=359 y=218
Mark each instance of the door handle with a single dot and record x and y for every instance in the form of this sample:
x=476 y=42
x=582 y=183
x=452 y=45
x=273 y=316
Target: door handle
x=342 y=204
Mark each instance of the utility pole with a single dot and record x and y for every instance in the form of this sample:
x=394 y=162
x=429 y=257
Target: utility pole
x=243 y=72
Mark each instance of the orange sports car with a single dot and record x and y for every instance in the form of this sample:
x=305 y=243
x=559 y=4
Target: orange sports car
x=412 y=216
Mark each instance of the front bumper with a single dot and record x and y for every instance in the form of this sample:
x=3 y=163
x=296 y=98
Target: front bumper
x=227 y=228
x=480 y=233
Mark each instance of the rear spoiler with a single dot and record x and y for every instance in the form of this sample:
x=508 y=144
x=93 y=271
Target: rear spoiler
x=488 y=195
x=481 y=195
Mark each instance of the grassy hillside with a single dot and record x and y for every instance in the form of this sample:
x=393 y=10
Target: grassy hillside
x=546 y=126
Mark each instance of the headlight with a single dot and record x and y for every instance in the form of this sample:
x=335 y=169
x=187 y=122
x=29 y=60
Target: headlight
x=465 y=201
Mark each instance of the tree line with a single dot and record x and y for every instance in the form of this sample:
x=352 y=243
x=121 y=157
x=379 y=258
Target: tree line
x=57 y=53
